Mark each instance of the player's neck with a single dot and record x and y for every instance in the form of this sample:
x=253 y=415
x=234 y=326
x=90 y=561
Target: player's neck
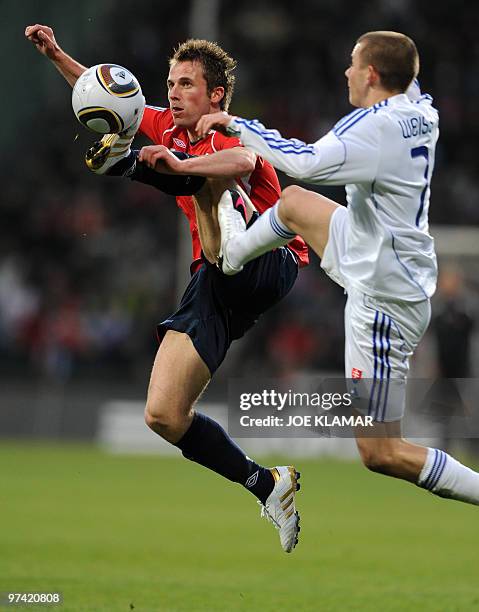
x=378 y=95
x=193 y=136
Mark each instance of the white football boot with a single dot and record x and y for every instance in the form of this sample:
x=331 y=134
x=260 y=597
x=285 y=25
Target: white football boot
x=112 y=148
x=232 y=225
x=280 y=507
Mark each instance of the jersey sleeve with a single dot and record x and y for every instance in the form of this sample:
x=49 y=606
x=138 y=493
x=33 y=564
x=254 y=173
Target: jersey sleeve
x=349 y=153
x=154 y=122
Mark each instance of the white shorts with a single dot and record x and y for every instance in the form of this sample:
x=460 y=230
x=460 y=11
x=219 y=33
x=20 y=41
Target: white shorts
x=380 y=336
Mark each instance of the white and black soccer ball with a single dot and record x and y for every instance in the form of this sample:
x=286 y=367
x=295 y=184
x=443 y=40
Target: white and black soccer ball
x=107 y=98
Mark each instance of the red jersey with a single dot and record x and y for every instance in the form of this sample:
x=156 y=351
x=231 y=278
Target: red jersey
x=261 y=185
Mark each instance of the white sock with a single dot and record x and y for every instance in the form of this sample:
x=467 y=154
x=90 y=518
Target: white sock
x=268 y=232
x=446 y=477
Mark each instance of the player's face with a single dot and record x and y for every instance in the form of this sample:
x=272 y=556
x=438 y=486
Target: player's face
x=357 y=75
x=188 y=94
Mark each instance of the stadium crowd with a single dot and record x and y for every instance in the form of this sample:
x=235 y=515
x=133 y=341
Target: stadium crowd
x=88 y=264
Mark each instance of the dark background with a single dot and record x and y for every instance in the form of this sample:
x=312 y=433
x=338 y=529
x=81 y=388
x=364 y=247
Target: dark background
x=89 y=265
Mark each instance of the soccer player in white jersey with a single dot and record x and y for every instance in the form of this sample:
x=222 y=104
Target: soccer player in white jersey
x=378 y=247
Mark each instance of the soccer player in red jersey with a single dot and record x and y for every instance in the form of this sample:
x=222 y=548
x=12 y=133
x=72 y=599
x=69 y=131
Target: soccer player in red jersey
x=172 y=127
x=215 y=309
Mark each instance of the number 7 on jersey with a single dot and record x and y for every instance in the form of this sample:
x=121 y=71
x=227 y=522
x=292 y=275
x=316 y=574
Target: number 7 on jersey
x=422 y=152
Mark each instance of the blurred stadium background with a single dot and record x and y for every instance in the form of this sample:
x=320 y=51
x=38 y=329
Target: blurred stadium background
x=88 y=266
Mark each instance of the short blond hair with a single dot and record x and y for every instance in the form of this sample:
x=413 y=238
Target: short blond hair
x=393 y=55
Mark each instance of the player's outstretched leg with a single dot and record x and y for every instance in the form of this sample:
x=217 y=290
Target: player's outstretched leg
x=298 y=211
x=431 y=469
x=178 y=378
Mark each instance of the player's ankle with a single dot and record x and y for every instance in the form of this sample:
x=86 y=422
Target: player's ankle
x=260 y=483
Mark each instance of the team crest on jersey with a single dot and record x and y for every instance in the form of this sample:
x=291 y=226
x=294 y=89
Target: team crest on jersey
x=356 y=373
x=179 y=143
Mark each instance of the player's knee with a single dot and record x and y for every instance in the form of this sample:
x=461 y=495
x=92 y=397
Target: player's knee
x=163 y=418
x=288 y=208
x=153 y=419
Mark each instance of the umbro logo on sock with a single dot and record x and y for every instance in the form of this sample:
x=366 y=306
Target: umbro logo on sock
x=252 y=480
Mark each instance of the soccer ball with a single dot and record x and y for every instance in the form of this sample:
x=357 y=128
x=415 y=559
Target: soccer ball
x=107 y=99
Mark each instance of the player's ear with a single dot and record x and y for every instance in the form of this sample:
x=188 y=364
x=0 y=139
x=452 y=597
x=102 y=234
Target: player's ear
x=217 y=94
x=373 y=76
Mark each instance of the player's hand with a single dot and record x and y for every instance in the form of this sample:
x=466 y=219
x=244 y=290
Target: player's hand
x=44 y=40
x=214 y=121
x=159 y=157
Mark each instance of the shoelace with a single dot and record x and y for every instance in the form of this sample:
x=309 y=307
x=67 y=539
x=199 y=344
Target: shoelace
x=265 y=514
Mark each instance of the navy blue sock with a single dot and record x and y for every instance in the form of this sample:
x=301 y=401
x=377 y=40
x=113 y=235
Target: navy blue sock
x=208 y=444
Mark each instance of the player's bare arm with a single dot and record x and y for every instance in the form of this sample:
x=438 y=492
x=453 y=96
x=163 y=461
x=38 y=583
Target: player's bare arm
x=228 y=163
x=214 y=121
x=43 y=38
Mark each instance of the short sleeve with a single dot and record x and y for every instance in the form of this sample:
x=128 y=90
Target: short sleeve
x=154 y=123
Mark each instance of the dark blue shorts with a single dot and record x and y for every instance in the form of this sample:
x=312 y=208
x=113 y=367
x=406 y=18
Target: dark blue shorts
x=217 y=309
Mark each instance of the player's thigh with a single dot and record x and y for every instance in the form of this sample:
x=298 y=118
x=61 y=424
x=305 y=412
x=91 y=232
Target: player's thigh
x=208 y=196
x=381 y=337
x=178 y=377
x=308 y=214
x=376 y=358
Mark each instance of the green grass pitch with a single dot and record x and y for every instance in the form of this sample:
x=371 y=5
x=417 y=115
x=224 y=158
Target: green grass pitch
x=142 y=533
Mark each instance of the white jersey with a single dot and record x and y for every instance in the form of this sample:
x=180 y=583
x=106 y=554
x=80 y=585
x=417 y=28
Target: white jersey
x=384 y=155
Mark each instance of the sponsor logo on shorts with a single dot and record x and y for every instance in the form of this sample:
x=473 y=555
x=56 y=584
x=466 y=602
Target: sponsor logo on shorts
x=356 y=373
